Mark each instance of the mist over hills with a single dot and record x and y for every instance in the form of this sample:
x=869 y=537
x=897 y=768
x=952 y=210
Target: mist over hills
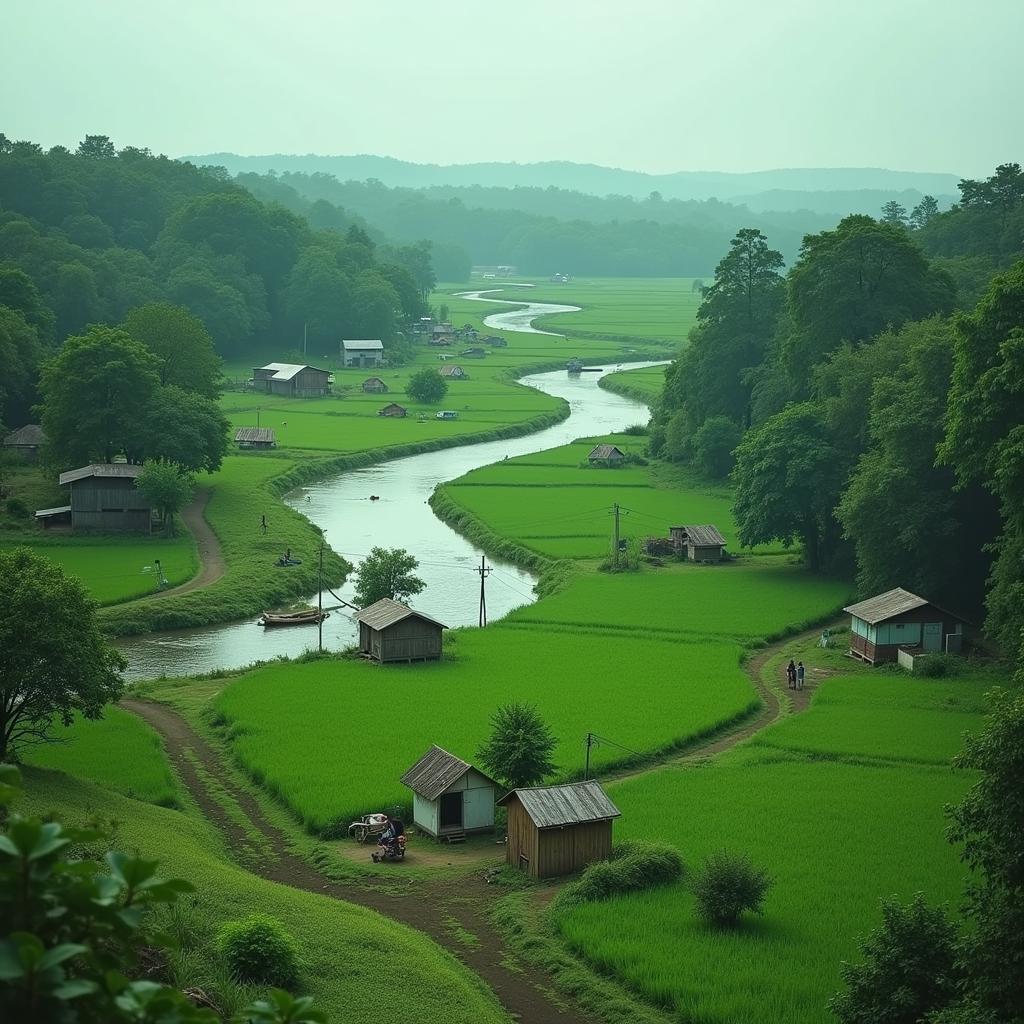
x=810 y=188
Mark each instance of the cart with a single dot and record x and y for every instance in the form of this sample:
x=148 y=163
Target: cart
x=368 y=825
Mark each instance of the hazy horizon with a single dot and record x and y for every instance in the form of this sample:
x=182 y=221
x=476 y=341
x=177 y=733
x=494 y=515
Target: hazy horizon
x=657 y=87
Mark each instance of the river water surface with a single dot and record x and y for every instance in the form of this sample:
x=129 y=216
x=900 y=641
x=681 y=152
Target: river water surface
x=353 y=524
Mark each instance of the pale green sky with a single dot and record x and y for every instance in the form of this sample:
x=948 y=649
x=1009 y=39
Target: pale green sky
x=655 y=85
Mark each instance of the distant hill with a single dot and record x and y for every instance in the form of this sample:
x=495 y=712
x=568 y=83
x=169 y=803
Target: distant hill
x=785 y=185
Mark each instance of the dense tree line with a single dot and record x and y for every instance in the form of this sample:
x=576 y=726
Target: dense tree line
x=864 y=408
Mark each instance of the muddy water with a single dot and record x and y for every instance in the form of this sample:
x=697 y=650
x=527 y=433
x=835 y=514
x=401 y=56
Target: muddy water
x=401 y=517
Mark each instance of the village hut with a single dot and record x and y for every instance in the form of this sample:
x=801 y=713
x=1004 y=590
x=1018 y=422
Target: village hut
x=698 y=543
x=442 y=334
x=25 y=442
x=293 y=380
x=454 y=373
x=374 y=386
x=255 y=437
x=606 y=455
x=555 y=830
x=391 y=631
x=362 y=352
x=393 y=409
x=104 y=498
x=898 y=620
x=495 y=341
x=473 y=353
x=451 y=798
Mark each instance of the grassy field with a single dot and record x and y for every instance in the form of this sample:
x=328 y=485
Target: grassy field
x=118 y=750
x=842 y=805
x=349 y=956
x=645 y=383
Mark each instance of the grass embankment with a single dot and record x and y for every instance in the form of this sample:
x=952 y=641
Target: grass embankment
x=644 y=384
x=842 y=805
x=349 y=955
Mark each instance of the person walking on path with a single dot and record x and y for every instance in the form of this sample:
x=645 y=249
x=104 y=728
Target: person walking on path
x=263 y=525
x=791 y=674
x=800 y=676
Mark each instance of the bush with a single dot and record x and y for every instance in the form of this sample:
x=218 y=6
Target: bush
x=636 y=429
x=427 y=386
x=632 y=866
x=17 y=508
x=726 y=886
x=257 y=949
x=938 y=666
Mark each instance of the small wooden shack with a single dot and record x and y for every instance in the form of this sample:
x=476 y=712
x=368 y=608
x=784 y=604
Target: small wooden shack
x=255 y=437
x=473 y=353
x=555 y=830
x=606 y=455
x=451 y=798
x=393 y=409
x=453 y=373
x=374 y=386
x=293 y=380
x=25 y=442
x=362 y=352
x=104 y=498
x=698 y=543
x=882 y=625
x=495 y=341
x=391 y=631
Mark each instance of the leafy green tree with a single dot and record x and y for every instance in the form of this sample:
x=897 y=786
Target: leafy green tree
x=318 y=296
x=374 y=308
x=894 y=214
x=713 y=445
x=427 y=386
x=54 y=659
x=20 y=353
x=19 y=292
x=183 y=428
x=96 y=393
x=908 y=969
x=182 y=345
x=787 y=482
x=520 y=748
x=168 y=487
x=97 y=147
x=387 y=572
x=922 y=214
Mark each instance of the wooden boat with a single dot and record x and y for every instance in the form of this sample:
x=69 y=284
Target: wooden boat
x=574 y=366
x=303 y=617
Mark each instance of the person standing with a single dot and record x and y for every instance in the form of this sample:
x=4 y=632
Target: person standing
x=800 y=676
x=791 y=674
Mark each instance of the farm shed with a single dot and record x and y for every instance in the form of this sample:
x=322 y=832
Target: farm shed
x=292 y=380
x=453 y=373
x=393 y=409
x=365 y=352
x=255 y=437
x=374 y=386
x=698 y=543
x=391 y=631
x=881 y=625
x=605 y=455
x=555 y=830
x=25 y=442
x=451 y=798
x=104 y=498
x=473 y=353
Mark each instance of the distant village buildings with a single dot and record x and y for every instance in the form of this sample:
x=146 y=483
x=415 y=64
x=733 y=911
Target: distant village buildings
x=255 y=437
x=698 y=543
x=898 y=620
x=365 y=352
x=394 y=410
x=293 y=380
x=374 y=386
x=25 y=442
x=453 y=373
x=104 y=499
x=606 y=455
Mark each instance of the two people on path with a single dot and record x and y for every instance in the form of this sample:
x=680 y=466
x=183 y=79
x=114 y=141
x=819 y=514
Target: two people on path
x=795 y=675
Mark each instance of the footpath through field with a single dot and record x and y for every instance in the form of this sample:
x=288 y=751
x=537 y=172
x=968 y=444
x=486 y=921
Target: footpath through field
x=436 y=907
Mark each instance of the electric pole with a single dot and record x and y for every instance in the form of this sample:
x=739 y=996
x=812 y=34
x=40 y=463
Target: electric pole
x=320 y=600
x=590 y=743
x=615 y=512
x=485 y=571
x=304 y=326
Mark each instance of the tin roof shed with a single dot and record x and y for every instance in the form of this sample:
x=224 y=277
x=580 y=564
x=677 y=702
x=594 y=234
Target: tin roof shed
x=571 y=804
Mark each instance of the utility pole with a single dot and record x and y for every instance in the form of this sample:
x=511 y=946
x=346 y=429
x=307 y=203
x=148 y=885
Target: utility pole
x=320 y=600
x=485 y=571
x=615 y=512
x=304 y=326
x=257 y=416
x=590 y=743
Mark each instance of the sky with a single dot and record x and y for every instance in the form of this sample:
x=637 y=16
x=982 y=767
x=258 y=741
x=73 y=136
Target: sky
x=650 y=85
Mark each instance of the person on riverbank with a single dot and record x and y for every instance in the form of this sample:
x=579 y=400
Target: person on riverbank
x=800 y=675
x=263 y=524
x=791 y=674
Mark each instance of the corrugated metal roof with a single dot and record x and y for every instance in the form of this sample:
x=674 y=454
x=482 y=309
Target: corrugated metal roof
x=285 y=371
x=250 y=435
x=452 y=371
x=605 y=451
x=572 y=804
x=373 y=344
x=385 y=612
x=29 y=435
x=885 y=606
x=120 y=470
x=435 y=771
x=44 y=513
x=701 y=536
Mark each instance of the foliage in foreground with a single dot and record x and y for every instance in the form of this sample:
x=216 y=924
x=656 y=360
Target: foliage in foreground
x=519 y=750
x=726 y=886
x=258 y=949
x=75 y=929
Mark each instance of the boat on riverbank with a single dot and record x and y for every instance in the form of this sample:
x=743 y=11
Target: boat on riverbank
x=302 y=617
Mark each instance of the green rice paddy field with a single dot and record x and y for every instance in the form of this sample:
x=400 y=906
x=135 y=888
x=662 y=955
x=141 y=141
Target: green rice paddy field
x=842 y=805
x=645 y=383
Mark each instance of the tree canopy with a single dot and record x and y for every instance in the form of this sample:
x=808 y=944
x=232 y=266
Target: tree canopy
x=427 y=386
x=387 y=572
x=520 y=747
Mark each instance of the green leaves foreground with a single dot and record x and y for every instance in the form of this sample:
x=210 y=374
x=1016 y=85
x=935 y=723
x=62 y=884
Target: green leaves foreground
x=74 y=929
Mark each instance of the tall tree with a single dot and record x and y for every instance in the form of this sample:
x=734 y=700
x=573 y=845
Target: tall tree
x=183 y=428
x=96 y=393
x=387 y=572
x=182 y=346
x=519 y=751
x=894 y=214
x=20 y=354
x=924 y=212
x=167 y=486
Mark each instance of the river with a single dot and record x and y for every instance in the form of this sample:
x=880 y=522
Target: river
x=353 y=524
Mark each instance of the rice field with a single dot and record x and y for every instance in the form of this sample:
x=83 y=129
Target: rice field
x=645 y=383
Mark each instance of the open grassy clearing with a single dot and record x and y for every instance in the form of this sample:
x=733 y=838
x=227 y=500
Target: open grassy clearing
x=836 y=831
x=644 y=383
x=349 y=955
x=118 y=750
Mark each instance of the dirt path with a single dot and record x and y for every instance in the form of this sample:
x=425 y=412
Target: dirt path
x=211 y=558
x=436 y=908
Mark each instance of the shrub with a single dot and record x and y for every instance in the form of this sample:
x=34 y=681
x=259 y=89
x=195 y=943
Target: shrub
x=17 y=508
x=636 y=429
x=938 y=666
x=258 y=949
x=726 y=886
x=632 y=866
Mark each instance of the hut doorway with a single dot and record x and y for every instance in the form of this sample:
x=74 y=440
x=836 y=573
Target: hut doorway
x=451 y=811
x=932 y=639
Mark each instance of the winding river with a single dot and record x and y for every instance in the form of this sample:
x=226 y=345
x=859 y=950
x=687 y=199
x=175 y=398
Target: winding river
x=353 y=524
